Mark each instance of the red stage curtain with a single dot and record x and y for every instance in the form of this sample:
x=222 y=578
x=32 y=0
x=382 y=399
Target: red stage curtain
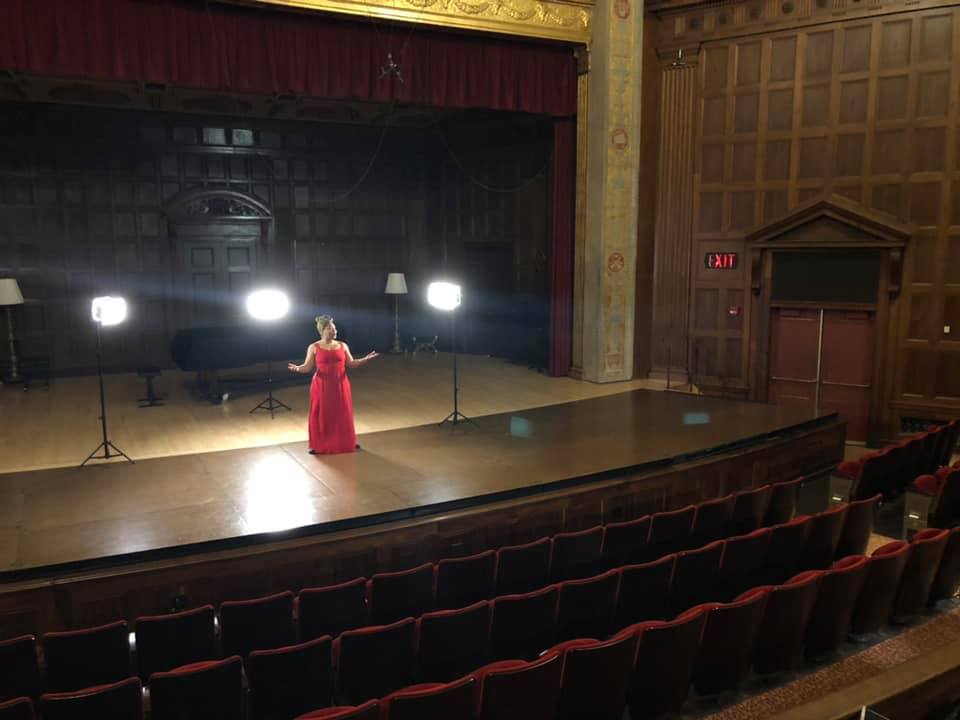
x=561 y=207
x=206 y=45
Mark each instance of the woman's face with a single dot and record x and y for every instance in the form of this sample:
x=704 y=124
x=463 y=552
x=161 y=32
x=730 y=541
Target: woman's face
x=329 y=331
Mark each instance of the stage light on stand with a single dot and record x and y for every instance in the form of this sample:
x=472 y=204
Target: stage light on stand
x=267 y=305
x=446 y=296
x=106 y=311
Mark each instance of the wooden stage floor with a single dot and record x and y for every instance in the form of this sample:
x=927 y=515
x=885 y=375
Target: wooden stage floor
x=67 y=515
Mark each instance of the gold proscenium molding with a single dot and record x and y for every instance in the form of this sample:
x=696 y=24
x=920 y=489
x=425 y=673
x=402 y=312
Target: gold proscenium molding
x=567 y=20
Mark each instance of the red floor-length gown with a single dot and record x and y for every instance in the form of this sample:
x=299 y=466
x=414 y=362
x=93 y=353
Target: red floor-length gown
x=331 y=405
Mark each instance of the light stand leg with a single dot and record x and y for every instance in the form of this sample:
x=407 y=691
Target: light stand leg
x=270 y=404
x=106 y=446
x=14 y=376
x=456 y=417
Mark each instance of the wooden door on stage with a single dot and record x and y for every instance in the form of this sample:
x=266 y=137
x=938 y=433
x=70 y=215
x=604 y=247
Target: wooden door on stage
x=218 y=273
x=822 y=360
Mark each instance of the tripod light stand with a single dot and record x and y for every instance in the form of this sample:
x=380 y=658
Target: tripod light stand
x=268 y=305
x=106 y=311
x=446 y=296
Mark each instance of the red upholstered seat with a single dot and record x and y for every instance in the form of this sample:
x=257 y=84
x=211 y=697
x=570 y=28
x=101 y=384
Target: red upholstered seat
x=857 y=526
x=523 y=625
x=823 y=537
x=744 y=557
x=368 y=711
x=671 y=531
x=117 y=701
x=947 y=580
x=830 y=619
x=596 y=677
x=695 y=575
x=930 y=484
x=396 y=595
x=521 y=568
x=168 y=641
x=434 y=701
x=452 y=643
x=779 y=641
x=19 y=708
x=575 y=554
x=625 y=542
x=517 y=690
x=727 y=644
x=946 y=509
x=783 y=501
x=83 y=658
x=285 y=682
x=332 y=609
x=875 y=603
x=19 y=669
x=788 y=542
x=465 y=580
x=926 y=551
x=210 y=690
x=711 y=520
x=645 y=591
x=374 y=661
x=850 y=469
x=666 y=654
x=874 y=476
x=586 y=607
x=257 y=624
x=749 y=509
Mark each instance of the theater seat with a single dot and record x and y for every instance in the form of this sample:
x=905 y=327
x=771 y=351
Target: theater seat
x=711 y=520
x=452 y=643
x=332 y=609
x=744 y=557
x=926 y=551
x=518 y=690
x=783 y=501
x=947 y=580
x=523 y=625
x=522 y=568
x=19 y=669
x=434 y=701
x=695 y=576
x=645 y=591
x=368 y=711
x=788 y=542
x=749 y=509
x=727 y=644
x=596 y=677
x=116 y=701
x=79 y=659
x=465 y=580
x=586 y=607
x=374 y=661
x=875 y=603
x=168 y=641
x=779 y=643
x=666 y=654
x=258 y=624
x=396 y=595
x=625 y=542
x=285 y=682
x=671 y=531
x=575 y=554
x=823 y=537
x=857 y=526
x=210 y=690
x=830 y=619
x=20 y=708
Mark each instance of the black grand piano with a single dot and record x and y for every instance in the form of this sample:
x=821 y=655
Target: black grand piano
x=213 y=351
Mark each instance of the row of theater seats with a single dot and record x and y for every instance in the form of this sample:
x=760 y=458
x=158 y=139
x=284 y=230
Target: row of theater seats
x=891 y=470
x=650 y=664
x=386 y=597
x=941 y=491
x=442 y=645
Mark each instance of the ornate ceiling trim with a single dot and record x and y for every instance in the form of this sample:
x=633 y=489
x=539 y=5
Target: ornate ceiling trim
x=565 y=20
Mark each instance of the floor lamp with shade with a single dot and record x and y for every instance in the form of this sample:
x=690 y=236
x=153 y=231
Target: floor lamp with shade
x=396 y=286
x=11 y=296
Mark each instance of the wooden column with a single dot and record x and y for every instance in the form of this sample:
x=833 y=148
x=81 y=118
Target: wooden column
x=674 y=208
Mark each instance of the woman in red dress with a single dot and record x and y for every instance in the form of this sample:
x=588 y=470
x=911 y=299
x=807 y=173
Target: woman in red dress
x=331 y=406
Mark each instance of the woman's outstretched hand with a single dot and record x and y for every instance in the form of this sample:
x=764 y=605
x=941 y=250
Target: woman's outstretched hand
x=293 y=367
x=371 y=355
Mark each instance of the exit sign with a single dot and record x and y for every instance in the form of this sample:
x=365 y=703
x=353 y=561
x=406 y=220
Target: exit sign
x=720 y=261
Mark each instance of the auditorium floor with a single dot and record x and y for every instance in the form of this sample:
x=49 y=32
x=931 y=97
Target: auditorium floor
x=59 y=427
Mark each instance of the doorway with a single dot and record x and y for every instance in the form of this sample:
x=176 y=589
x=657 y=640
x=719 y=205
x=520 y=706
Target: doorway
x=821 y=360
